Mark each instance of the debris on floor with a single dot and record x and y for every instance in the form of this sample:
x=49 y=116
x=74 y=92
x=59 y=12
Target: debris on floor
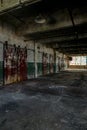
x=52 y=102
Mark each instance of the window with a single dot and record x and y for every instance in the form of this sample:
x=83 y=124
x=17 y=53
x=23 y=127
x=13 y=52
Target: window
x=78 y=60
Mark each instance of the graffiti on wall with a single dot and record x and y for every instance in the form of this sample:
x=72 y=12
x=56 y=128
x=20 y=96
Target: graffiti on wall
x=10 y=64
x=22 y=64
x=14 y=63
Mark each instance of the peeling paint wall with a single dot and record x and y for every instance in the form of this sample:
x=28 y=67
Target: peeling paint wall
x=41 y=50
x=7 y=33
x=35 y=51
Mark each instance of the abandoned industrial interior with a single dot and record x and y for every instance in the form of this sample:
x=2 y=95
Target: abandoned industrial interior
x=43 y=65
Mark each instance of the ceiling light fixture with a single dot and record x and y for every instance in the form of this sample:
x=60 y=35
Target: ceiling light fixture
x=40 y=19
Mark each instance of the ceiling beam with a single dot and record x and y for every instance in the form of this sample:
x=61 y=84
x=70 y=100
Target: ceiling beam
x=15 y=17
x=73 y=23
x=74 y=52
x=65 y=42
x=71 y=49
x=15 y=4
x=70 y=45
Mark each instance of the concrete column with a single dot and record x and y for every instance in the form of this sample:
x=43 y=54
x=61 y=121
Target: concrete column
x=65 y=62
x=35 y=58
x=54 y=61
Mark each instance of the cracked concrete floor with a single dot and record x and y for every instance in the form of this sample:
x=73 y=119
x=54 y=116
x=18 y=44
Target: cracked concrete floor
x=53 y=102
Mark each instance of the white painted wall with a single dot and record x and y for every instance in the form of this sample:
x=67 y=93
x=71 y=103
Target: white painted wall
x=7 y=33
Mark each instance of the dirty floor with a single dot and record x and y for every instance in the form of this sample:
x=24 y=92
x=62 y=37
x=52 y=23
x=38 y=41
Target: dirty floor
x=52 y=102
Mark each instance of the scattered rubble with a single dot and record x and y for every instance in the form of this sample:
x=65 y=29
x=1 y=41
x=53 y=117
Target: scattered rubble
x=52 y=102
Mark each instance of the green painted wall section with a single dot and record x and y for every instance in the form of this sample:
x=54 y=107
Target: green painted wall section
x=31 y=69
x=39 y=68
x=1 y=72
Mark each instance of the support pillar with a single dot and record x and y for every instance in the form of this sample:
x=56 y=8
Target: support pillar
x=35 y=58
x=54 y=61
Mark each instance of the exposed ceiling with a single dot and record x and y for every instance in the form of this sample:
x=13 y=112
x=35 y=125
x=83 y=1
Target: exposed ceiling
x=65 y=29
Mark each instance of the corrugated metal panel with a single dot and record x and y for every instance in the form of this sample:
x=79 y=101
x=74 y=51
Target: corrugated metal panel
x=1 y=63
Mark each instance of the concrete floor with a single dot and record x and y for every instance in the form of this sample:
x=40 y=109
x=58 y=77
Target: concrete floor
x=53 y=102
